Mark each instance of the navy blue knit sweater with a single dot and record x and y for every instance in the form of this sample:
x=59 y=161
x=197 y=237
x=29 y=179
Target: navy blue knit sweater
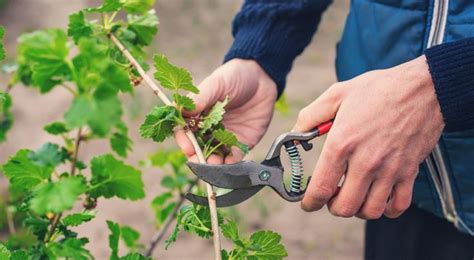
x=275 y=32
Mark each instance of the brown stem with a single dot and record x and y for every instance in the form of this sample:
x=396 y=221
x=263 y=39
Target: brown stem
x=54 y=224
x=75 y=154
x=162 y=231
x=76 y=151
x=10 y=221
x=211 y=196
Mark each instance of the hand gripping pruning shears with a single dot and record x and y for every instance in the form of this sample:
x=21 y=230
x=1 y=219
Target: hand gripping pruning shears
x=246 y=178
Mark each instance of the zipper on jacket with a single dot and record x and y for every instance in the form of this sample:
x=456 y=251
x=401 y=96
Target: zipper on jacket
x=435 y=162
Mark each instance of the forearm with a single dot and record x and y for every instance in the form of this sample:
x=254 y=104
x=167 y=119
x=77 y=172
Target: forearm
x=274 y=33
x=452 y=70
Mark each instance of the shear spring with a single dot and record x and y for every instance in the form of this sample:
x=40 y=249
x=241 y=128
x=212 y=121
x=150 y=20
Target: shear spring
x=296 y=165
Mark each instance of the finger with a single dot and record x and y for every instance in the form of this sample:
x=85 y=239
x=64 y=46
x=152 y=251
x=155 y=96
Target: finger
x=193 y=158
x=211 y=90
x=328 y=172
x=400 y=199
x=183 y=142
x=235 y=156
x=354 y=189
x=215 y=159
x=323 y=109
x=376 y=201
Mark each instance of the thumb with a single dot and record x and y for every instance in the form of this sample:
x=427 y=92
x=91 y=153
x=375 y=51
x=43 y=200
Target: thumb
x=323 y=109
x=211 y=90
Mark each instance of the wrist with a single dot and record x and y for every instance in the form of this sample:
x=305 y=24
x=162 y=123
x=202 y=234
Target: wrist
x=418 y=74
x=254 y=69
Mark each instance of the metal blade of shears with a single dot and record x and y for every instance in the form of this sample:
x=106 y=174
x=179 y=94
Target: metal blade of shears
x=239 y=175
x=232 y=198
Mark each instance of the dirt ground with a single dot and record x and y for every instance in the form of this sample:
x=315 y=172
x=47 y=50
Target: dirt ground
x=194 y=34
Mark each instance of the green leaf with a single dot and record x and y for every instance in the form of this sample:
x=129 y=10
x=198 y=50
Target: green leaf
x=19 y=255
x=49 y=155
x=111 y=177
x=214 y=117
x=117 y=78
x=6 y=116
x=130 y=237
x=229 y=139
x=282 y=105
x=168 y=182
x=57 y=196
x=184 y=102
x=100 y=114
x=225 y=137
x=193 y=219
x=230 y=230
x=138 y=6
x=107 y=113
x=145 y=27
x=45 y=54
x=161 y=158
x=173 y=77
x=56 y=128
x=162 y=208
x=4 y=253
x=120 y=142
x=23 y=173
x=91 y=63
x=114 y=237
x=224 y=254
x=159 y=123
x=38 y=226
x=69 y=248
x=267 y=245
x=243 y=147
x=2 y=47
x=78 y=26
x=77 y=219
x=79 y=112
x=107 y=6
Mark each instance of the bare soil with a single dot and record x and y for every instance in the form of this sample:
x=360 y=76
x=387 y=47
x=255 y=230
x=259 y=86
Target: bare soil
x=194 y=34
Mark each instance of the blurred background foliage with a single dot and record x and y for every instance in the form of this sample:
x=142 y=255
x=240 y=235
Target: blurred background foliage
x=194 y=34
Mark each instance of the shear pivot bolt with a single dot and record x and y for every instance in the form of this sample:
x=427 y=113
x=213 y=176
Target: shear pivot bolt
x=264 y=175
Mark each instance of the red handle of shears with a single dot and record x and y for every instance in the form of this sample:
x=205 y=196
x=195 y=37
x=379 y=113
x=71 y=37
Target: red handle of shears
x=324 y=127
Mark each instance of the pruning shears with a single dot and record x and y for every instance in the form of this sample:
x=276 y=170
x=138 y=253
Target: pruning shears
x=246 y=178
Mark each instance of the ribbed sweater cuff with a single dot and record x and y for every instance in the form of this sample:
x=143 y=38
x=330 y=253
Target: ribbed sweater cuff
x=452 y=68
x=248 y=45
x=273 y=33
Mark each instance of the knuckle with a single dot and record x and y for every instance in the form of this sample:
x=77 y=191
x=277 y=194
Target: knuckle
x=340 y=148
x=322 y=194
x=335 y=91
x=345 y=210
x=411 y=171
x=303 y=116
x=402 y=205
x=371 y=164
x=397 y=208
x=372 y=212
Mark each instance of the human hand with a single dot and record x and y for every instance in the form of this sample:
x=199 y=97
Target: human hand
x=385 y=123
x=252 y=95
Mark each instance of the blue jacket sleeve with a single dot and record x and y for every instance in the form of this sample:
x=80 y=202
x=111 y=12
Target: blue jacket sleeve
x=274 y=32
x=452 y=70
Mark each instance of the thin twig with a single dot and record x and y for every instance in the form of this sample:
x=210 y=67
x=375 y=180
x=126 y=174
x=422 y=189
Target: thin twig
x=76 y=151
x=75 y=155
x=54 y=224
x=10 y=221
x=164 y=228
x=68 y=88
x=211 y=196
